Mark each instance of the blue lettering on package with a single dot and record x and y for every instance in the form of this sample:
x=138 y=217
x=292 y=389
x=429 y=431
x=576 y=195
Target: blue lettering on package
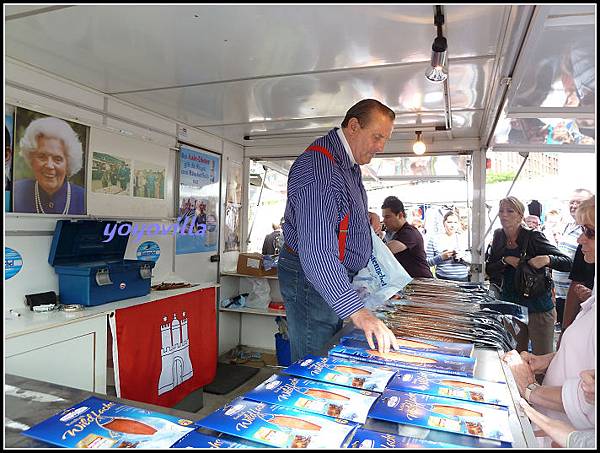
x=13 y=262
x=148 y=251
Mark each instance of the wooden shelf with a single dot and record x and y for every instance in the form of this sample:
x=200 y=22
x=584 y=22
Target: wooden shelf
x=235 y=274
x=255 y=311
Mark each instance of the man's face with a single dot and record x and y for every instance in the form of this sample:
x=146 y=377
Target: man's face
x=532 y=223
x=575 y=201
x=391 y=220
x=49 y=164
x=367 y=141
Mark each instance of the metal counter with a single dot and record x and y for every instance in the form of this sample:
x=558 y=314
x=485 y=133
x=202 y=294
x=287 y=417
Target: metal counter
x=28 y=402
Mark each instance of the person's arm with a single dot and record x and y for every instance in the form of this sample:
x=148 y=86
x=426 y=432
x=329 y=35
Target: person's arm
x=316 y=214
x=494 y=264
x=547 y=254
x=375 y=223
x=580 y=412
x=573 y=303
x=433 y=257
x=557 y=429
x=396 y=246
x=547 y=397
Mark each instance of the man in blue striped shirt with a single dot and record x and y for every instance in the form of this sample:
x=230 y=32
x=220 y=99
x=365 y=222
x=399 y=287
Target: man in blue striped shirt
x=327 y=233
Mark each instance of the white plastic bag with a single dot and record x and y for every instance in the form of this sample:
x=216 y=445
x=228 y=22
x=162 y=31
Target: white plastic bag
x=383 y=277
x=260 y=296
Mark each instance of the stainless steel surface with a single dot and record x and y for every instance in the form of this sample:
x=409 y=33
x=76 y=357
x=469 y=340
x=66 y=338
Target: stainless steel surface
x=28 y=402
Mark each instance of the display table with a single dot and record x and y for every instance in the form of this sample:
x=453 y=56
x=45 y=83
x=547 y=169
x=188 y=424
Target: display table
x=29 y=402
x=488 y=367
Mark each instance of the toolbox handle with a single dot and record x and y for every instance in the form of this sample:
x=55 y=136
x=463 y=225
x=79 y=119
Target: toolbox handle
x=103 y=277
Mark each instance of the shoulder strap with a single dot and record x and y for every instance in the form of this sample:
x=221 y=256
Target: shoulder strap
x=344 y=224
x=524 y=249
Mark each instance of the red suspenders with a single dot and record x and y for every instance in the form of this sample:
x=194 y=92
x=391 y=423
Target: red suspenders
x=346 y=220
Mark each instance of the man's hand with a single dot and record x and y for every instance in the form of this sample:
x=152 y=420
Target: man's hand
x=539 y=261
x=582 y=292
x=588 y=385
x=520 y=370
x=370 y=325
x=538 y=363
x=375 y=223
x=558 y=430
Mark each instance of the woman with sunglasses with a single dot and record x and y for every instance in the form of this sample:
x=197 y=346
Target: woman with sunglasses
x=561 y=394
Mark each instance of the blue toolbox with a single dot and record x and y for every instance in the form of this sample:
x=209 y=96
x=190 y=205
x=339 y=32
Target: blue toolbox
x=93 y=272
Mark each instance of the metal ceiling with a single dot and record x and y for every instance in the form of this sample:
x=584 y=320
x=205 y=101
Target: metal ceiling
x=269 y=71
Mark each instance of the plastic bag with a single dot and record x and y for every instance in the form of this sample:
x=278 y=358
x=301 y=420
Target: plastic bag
x=260 y=296
x=383 y=277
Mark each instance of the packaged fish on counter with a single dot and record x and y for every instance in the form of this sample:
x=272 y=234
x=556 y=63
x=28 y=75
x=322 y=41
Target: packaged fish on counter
x=444 y=414
x=357 y=337
x=461 y=388
x=278 y=426
x=314 y=396
x=348 y=373
x=404 y=358
x=98 y=423
x=365 y=438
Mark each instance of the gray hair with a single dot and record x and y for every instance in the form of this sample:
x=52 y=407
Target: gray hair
x=55 y=128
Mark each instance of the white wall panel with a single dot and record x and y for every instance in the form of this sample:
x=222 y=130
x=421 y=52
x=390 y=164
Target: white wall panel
x=36 y=275
x=49 y=106
x=26 y=75
x=119 y=108
x=200 y=139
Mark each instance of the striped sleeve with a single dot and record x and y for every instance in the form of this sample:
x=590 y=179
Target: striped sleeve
x=316 y=214
x=433 y=258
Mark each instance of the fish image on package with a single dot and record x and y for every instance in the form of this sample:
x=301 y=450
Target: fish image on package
x=278 y=426
x=444 y=414
x=314 y=396
x=405 y=358
x=341 y=371
x=437 y=384
x=98 y=423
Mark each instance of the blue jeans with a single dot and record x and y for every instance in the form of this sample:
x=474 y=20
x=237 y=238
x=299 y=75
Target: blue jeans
x=311 y=321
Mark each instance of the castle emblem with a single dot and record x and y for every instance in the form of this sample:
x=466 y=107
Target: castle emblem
x=175 y=353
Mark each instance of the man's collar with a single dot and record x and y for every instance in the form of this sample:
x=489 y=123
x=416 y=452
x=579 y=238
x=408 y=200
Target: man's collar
x=346 y=145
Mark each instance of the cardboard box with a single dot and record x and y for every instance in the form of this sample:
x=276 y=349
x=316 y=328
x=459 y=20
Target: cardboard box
x=252 y=264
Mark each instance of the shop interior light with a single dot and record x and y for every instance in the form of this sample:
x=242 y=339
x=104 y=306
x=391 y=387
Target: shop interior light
x=419 y=147
x=438 y=71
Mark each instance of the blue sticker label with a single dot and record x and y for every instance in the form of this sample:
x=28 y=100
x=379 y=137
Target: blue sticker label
x=148 y=251
x=12 y=263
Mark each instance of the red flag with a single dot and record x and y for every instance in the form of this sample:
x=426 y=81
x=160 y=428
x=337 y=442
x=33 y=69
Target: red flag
x=166 y=349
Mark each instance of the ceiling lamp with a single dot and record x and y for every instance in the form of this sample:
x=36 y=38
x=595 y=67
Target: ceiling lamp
x=438 y=71
x=419 y=147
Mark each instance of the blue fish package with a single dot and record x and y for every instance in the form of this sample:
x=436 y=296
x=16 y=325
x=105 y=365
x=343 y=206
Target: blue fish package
x=278 y=426
x=99 y=423
x=444 y=414
x=314 y=396
x=91 y=271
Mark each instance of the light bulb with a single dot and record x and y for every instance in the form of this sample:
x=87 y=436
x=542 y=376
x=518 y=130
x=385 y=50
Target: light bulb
x=436 y=74
x=419 y=147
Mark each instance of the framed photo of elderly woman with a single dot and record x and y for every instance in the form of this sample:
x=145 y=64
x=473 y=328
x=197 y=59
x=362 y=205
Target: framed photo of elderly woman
x=49 y=164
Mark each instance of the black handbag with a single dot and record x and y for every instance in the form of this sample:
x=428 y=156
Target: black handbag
x=529 y=282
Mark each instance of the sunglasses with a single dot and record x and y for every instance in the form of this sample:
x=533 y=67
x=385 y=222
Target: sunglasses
x=589 y=233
